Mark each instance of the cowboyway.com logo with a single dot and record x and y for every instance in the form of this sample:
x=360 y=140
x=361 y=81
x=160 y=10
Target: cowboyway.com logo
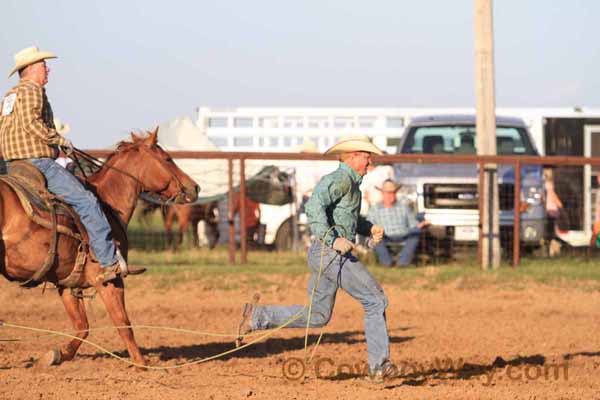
x=327 y=368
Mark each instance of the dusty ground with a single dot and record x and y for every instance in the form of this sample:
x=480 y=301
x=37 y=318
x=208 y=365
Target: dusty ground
x=502 y=344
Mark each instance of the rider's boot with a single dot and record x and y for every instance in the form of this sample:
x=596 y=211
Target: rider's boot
x=118 y=269
x=245 y=326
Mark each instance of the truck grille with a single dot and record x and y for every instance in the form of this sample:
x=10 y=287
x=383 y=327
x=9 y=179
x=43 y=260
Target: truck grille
x=463 y=196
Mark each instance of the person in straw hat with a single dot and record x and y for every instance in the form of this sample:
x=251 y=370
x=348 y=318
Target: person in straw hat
x=400 y=225
x=333 y=218
x=27 y=132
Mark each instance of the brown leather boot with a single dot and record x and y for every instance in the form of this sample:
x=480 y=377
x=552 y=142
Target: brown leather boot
x=382 y=374
x=114 y=271
x=135 y=270
x=245 y=326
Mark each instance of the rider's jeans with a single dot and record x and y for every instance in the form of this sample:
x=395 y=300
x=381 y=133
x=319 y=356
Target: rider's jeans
x=63 y=184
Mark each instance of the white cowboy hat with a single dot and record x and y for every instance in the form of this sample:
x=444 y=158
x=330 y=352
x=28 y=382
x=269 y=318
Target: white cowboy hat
x=354 y=143
x=388 y=186
x=29 y=56
x=61 y=127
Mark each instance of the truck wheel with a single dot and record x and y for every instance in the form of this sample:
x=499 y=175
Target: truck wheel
x=284 y=239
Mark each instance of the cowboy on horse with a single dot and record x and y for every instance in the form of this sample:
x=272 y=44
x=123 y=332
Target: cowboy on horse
x=29 y=142
x=28 y=133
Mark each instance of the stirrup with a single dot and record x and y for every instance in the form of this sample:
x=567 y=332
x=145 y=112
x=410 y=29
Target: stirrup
x=108 y=274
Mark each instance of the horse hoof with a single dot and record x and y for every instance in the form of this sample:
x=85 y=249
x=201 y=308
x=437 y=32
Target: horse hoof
x=53 y=357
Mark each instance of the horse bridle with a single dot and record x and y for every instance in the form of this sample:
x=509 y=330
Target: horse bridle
x=76 y=153
x=180 y=187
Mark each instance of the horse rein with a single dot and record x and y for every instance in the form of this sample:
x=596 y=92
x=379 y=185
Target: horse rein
x=77 y=153
x=177 y=180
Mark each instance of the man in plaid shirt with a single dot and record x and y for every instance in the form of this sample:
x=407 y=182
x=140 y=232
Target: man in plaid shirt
x=400 y=225
x=27 y=132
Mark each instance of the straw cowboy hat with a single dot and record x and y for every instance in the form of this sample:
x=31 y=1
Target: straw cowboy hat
x=388 y=186
x=354 y=143
x=29 y=56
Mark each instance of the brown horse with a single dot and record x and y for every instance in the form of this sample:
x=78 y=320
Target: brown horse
x=188 y=216
x=134 y=167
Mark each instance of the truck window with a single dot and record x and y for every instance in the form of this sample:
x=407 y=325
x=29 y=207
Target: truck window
x=460 y=139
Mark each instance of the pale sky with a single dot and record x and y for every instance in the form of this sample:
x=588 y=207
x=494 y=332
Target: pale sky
x=128 y=65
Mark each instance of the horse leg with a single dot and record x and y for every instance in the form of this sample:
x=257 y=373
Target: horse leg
x=168 y=221
x=194 y=224
x=76 y=312
x=114 y=301
x=183 y=228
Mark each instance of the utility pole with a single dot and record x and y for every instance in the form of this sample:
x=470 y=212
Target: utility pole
x=486 y=132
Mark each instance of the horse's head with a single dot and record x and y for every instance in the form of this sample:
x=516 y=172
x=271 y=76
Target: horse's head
x=158 y=173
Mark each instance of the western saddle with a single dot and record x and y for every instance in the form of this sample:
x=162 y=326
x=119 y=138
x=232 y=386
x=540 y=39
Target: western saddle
x=50 y=212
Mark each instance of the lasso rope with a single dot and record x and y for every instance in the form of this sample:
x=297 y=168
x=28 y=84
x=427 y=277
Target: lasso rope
x=51 y=333
x=314 y=289
x=153 y=367
x=137 y=327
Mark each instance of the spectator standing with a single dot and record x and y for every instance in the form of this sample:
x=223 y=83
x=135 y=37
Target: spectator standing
x=554 y=210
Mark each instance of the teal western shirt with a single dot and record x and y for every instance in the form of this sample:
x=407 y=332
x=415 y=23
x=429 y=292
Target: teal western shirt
x=336 y=201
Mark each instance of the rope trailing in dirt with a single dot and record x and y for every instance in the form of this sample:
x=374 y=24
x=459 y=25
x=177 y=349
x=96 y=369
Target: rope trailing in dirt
x=267 y=334
x=153 y=367
x=150 y=327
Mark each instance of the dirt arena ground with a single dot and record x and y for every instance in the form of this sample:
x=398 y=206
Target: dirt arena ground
x=533 y=342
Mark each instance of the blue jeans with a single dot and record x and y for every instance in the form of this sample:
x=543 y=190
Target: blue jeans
x=339 y=271
x=63 y=184
x=411 y=240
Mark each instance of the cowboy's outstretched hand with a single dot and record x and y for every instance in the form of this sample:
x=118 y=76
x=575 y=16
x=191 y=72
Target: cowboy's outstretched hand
x=377 y=233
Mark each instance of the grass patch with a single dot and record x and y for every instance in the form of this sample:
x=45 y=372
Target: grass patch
x=211 y=270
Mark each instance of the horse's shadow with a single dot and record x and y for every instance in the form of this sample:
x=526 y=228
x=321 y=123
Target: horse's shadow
x=269 y=347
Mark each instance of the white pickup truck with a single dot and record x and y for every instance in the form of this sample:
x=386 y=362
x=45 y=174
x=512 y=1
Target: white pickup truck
x=447 y=195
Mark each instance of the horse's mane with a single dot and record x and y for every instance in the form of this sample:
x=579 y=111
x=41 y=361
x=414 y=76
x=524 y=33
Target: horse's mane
x=122 y=146
x=125 y=145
